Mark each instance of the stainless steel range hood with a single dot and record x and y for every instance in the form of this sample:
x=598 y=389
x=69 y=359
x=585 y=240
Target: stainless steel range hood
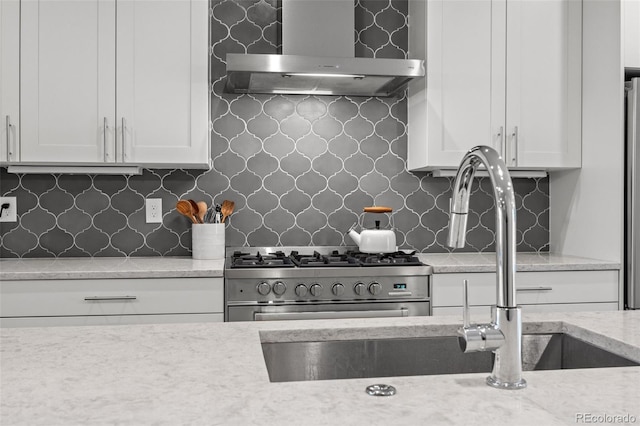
x=318 y=58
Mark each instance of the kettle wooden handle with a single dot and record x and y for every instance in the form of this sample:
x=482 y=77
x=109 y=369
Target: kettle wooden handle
x=378 y=209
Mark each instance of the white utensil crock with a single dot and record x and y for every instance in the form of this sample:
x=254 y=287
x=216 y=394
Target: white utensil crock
x=207 y=241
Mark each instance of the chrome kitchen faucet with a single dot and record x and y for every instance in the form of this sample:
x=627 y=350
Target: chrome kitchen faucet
x=503 y=335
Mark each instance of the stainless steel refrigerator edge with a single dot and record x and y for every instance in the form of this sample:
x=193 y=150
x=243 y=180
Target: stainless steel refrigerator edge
x=632 y=189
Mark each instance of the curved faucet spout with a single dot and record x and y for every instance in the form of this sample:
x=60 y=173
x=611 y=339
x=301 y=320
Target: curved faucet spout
x=505 y=216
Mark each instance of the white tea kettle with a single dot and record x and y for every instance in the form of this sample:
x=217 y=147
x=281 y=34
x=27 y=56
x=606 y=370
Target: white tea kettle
x=375 y=240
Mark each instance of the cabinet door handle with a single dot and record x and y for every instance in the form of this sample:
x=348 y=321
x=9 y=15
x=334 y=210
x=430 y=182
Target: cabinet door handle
x=503 y=146
x=514 y=156
x=124 y=146
x=104 y=138
x=534 y=289
x=8 y=129
x=108 y=298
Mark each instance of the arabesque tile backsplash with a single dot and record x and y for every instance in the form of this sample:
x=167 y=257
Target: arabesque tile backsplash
x=299 y=168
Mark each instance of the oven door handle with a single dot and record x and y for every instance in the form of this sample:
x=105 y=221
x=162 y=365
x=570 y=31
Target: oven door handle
x=274 y=316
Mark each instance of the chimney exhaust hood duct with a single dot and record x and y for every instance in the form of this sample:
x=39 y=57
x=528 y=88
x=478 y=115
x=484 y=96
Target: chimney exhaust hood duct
x=318 y=58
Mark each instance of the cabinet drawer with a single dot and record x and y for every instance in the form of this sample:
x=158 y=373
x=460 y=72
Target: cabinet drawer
x=531 y=287
x=481 y=314
x=111 y=297
x=60 y=321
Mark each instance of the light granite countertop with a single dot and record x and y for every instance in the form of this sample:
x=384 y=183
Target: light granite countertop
x=162 y=267
x=214 y=374
x=108 y=267
x=486 y=262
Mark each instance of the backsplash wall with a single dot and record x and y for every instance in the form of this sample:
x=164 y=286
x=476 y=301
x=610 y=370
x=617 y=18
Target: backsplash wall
x=300 y=168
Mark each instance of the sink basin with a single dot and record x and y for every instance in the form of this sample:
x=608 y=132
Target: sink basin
x=347 y=359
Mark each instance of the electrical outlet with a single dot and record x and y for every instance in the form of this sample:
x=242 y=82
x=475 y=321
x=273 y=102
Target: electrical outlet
x=8 y=213
x=154 y=210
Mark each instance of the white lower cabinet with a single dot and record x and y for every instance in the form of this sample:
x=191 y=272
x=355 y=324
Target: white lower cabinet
x=111 y=301
x=553 y=291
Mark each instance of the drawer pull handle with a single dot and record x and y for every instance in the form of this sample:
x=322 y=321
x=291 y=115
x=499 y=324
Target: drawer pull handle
x=534 y=289
x=103 y=298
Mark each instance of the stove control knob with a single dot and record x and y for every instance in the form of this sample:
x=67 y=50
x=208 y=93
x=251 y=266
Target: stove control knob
x=279 y=288
x=316 y=290
x=263 y=288
x=359 y=288
x=375 y=288
x=301 y=290
x=337 y=289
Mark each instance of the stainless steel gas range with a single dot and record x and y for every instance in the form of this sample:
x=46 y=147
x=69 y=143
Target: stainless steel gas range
x=263 y=284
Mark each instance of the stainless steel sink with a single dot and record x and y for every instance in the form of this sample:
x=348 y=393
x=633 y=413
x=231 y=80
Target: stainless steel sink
x=347 y=359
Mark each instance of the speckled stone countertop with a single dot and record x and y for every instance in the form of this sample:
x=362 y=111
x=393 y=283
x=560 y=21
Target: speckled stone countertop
x=486 y=262
x=215 y=374
x=158 y=267
x=108 y=267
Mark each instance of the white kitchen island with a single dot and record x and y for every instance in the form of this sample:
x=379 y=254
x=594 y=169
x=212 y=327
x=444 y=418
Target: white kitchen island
x=214 y=373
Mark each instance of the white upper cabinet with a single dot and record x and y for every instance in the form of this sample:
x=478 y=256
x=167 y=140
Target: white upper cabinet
x=114 y=82
x=631 y=33
x=162 y=82
x=67 y=81
x=9 y=80
x=500 y=73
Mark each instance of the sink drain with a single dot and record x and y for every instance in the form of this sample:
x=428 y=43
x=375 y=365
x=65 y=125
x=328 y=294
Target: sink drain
x=381 y=390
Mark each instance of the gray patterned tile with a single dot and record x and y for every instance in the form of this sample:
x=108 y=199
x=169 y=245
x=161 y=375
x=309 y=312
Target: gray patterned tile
x=279 y=145
x=279 y=182
x=311 y=145
x=295 y=164
x=246 y=107
x=311 y=182
x=74 y=220
x=343 y=146
x=260 y=235
x=74 y=184
x=295 y=127
x=295 y=201
x=262 y=126
x=246 y=32
x=56 y=202
x=327 y=127
x=92 y=240
x=343 y=182
x=359 y=165
x=358 y=128
x=279 y=108
x=279 y=220
x=311 y=108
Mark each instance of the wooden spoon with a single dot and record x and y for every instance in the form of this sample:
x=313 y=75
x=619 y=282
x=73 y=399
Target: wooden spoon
x=202 y=210
x=226 y=209
x=195 y=211
x=184 y=208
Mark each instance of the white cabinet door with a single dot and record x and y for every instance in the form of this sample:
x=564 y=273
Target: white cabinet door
x=506 y=74
x=454 y=108
x=110 y=301
x=9 y=80
x=543 y=84
x=162 y=91
x=631 y=33
x=554 y=290
x=67 y=81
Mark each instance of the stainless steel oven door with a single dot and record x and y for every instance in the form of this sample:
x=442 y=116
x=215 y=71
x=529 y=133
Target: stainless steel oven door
x=274 y=312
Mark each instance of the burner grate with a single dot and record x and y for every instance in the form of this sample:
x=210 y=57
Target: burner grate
x=316 y=259
x=270 y=260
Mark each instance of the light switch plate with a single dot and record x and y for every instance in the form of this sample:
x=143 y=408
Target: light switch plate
x=153 y=210
x=9 y=214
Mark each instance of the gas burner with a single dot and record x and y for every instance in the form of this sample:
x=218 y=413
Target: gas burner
x=387 y=259
x=269 y=260
x=316 y=259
